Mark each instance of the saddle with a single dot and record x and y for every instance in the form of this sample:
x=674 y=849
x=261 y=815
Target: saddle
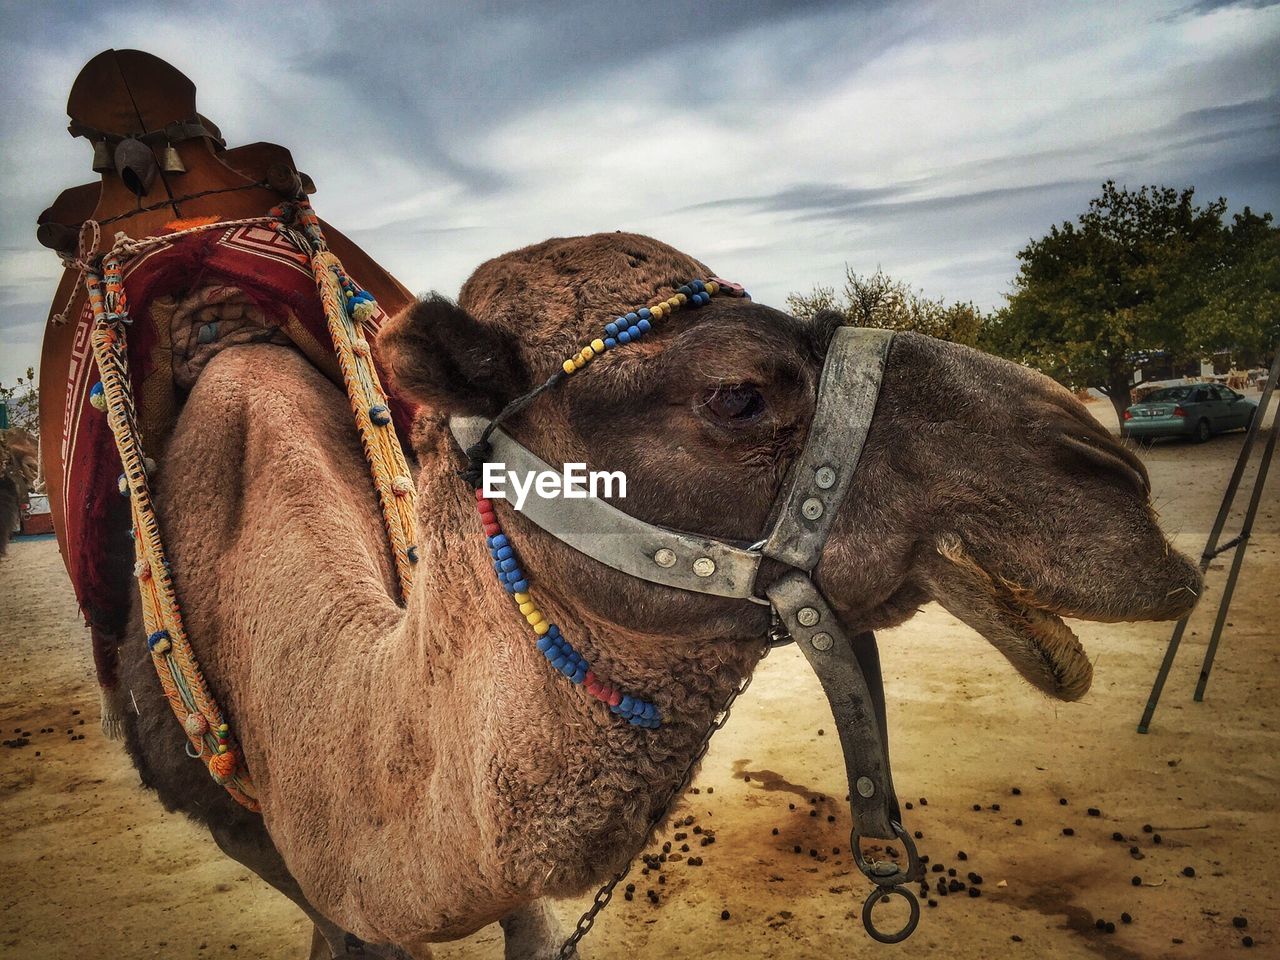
x=223 y=274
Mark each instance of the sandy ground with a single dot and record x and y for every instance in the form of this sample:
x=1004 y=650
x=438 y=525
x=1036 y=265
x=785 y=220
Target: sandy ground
x=92 y=868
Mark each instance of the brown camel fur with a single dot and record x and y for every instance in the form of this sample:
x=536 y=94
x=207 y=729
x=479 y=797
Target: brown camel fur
x=422 y=771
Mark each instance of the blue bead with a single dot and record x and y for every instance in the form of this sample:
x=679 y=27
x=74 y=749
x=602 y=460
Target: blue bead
x=498 y=540
x=645 y=326
x=627 y=704
x=520 y=586
x=610 y=343
x=635 y=721
x=412 y=553
x=553 y=630
x=644 y=313
x=685 y=290
x=631 y=318
x=611 y=329
x=697 y=286
x=98 y=389
x=380 y=415
x=624 y=337
x=544 y=641
x=558 y=662
x=156 y=638
x=509 y=565
x=635 y=332
x=579 y=676
x=504 y=553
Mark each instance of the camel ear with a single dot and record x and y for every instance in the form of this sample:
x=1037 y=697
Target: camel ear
x=442 y=357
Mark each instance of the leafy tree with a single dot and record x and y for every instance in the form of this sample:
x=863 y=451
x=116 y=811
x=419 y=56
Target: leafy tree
x=22 y=403
x=878 y=300
x=1138 y=271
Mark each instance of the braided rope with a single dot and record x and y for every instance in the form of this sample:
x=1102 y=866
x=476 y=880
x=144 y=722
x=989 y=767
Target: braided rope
x=346 y=306
x=180 y=676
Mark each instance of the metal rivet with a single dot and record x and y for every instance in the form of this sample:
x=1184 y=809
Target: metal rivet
x=825 y=478
x=821 y=641
x=865 y=787
x=665 y=558
x=704 y=566
x=807 y=616
x=811 y=508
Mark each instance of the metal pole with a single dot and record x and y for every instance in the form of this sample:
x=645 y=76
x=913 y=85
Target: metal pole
x=1211 y=545
x=1225 y=604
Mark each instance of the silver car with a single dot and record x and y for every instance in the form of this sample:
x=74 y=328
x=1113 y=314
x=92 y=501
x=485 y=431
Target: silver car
x=1199 y=411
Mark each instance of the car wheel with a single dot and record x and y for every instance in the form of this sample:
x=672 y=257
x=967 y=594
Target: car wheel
x=1203 y=431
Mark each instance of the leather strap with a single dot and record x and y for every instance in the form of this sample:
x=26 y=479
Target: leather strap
x=821 y=476
x=600 y=530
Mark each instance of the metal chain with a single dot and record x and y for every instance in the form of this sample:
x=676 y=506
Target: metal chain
x=568 y=950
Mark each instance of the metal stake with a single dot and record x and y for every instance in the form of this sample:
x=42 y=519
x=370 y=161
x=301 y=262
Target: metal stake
x=1211 y=548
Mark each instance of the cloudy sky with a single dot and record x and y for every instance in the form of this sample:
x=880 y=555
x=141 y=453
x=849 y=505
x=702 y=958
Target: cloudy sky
x=775 y=140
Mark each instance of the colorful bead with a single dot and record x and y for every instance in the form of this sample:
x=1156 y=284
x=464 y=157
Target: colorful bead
x=380 y=415
x=158 y=642
x=98 y=396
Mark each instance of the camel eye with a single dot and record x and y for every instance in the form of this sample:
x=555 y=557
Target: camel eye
x=734 y=405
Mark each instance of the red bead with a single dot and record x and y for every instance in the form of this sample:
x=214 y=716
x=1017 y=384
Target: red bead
x=615 y=698
x=480 y=493
x=483 y=505
x=600 y=694
x=488 y=516
x=590 y=680
x=492 y=529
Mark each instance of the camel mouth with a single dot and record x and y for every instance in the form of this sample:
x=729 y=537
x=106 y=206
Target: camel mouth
x=1031 y=634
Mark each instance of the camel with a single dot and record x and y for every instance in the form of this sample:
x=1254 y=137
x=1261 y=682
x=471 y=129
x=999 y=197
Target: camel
x=422 y=772
x=19 y=469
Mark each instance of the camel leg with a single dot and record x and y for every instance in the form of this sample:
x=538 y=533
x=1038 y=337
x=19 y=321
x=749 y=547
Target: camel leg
x=533 y=933
x=328 y=941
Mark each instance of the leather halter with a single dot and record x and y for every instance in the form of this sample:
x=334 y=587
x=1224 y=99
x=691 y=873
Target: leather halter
x=818 y=482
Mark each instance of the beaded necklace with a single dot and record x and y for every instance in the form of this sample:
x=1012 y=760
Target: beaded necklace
x=551 y=643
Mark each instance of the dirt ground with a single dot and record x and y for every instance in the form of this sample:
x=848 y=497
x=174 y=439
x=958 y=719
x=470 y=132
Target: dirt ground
x=92 y=867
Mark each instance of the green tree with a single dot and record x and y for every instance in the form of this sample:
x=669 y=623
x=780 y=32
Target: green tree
x=1140 y=270
x=878 y=300
x=22 y=403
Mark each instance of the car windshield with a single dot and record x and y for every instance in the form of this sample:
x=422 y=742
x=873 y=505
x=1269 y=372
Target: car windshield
x=1169 y=395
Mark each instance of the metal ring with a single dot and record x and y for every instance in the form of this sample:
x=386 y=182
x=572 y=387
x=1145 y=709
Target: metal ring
x=868 y=870
x=884 y=893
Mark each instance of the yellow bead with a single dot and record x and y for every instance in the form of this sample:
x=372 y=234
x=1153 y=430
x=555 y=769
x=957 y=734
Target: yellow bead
x=222 y=748
x=682 y=298
x=522 y=598
x=534 y=615
x=588 y=353
x=657 y=312
x=541 y=627
x=577 y=363
x=597 y=345
x=712 y=287
x=527 y=608
x=673 y=302
x=568 y=366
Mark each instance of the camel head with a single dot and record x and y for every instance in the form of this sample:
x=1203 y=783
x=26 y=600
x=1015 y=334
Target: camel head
x=982 y=485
